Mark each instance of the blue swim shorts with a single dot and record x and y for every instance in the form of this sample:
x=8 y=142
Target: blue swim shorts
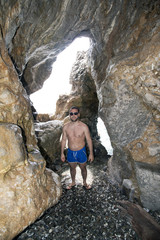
x=79 y=156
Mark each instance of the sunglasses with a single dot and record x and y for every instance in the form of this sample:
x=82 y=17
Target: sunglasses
x=75 y=113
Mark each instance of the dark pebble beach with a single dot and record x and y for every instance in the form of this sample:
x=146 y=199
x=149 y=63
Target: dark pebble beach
x=84 y=214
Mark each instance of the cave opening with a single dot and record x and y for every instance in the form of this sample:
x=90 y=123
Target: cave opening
x=58 y=83
x=44 y=100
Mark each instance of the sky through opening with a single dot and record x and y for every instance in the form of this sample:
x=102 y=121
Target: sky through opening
x=57 y=84
x=104 y=137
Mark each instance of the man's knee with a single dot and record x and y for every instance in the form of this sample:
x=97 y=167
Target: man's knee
x=82 y=166
x=73 y=165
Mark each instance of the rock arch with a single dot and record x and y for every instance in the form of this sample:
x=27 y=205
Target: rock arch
x=124 y=63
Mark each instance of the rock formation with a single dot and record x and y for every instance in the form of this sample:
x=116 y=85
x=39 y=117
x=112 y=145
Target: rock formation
x=83 y=94
x=123 y=62
x=48 y=135
x=27 y=187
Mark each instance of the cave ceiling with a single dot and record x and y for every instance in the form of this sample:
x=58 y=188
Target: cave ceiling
x=36 y=31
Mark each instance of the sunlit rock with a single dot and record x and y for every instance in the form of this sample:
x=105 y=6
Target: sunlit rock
x=27 y=187
x=14 y=102
x=12 y=150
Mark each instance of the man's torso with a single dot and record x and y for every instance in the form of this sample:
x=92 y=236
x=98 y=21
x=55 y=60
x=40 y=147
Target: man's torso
x=76 y=135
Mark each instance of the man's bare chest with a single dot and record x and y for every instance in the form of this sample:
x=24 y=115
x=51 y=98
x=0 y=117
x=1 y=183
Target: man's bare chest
x=75 y=133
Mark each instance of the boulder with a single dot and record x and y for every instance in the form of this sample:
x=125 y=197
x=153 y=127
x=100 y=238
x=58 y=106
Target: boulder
x=48 y=135
x=27 y=187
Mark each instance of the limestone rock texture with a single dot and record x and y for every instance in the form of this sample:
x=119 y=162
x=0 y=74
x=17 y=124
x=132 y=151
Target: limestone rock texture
x=124 y=64
x=27 y=187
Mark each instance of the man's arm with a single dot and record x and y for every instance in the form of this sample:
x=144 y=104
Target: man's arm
x=63 y=144
x=90 y=145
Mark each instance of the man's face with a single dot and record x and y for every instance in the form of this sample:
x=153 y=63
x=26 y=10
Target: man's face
x=74 y=115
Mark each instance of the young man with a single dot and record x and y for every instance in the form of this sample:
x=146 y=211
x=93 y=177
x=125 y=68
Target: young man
x=76 y=132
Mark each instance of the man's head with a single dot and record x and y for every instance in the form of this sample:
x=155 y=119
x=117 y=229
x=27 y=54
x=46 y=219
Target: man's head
x=74 y=113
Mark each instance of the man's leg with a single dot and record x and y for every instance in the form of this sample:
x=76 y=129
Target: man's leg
x=73 y=173
x=83 y=172
x=84 y=175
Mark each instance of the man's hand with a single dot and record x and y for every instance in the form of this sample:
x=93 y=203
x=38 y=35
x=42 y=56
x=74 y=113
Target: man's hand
x=90 y=158
x=63 y=157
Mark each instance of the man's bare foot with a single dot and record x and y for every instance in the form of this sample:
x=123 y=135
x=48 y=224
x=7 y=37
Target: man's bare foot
x=70 y=186
x=87 y=187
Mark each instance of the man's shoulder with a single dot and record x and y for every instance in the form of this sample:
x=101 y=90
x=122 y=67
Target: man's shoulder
x=83 y=124
x=66 y=125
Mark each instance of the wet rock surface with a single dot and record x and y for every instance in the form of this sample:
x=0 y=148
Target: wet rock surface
x=85 y=214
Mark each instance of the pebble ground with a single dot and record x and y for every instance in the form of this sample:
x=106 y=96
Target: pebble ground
x=84 y=214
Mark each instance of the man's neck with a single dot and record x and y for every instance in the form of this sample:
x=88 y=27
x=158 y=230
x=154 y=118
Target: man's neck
x=76 y=122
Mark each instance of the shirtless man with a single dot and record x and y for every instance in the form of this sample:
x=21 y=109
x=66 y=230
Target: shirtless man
x=76 y=132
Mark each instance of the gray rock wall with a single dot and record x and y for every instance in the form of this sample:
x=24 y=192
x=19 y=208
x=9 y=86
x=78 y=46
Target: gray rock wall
x=48 y=135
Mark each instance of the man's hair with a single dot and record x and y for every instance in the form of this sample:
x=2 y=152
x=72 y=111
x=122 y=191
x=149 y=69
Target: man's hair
x=74 y=107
